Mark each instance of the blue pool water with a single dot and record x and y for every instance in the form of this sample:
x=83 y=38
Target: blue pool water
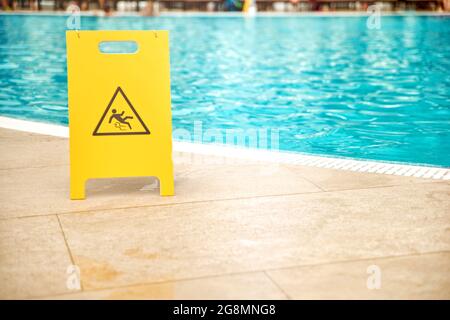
x=331 y=86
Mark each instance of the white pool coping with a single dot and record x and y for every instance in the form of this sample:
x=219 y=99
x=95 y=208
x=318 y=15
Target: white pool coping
x=236 y=152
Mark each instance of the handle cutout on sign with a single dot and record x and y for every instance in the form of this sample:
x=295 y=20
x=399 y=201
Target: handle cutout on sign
x=118 y=47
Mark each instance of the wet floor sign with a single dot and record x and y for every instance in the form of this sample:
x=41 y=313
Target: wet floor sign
x=119 y=107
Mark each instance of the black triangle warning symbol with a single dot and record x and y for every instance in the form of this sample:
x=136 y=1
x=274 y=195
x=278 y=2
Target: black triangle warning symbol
x=120 y=118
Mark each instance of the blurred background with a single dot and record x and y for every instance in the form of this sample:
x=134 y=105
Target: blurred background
x=152 y=7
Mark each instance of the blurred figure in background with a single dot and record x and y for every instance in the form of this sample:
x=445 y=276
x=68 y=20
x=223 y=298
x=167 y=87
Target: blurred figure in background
x=446 y=5
x=295 y=3
x=152 y=8
x=13 y=4
x=314 y=5
x=7 y=5
x=107 y=8
x=233 y=5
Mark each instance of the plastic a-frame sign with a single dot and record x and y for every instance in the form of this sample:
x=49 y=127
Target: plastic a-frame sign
x=120 y=122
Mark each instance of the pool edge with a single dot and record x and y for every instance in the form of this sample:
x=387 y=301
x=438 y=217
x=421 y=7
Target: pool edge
x=356 y=165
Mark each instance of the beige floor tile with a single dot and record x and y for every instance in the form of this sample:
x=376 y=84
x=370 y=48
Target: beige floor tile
x=332 y=180
x=192 y=183
x=33 y=258
x=411 y=277
x=16 y=135
x=243 y=286
x=22 y=149
x=124 y=247
x=21 y=154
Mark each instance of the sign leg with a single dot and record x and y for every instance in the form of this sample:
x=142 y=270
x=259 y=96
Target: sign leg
x=166 y=185
x=77 y=189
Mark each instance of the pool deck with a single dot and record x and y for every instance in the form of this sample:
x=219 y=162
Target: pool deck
x=237 y=230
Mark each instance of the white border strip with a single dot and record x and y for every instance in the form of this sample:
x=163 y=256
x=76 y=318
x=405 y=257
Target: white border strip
x=34 y=127
x=259 y=155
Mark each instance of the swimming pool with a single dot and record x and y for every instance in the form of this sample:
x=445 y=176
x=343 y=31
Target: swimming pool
x=330 y=85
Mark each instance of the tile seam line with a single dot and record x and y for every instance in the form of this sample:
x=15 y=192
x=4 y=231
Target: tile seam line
x=156 y=205
x=72 y=260
x=212 y=200
x=66 y=243
x=279 y=157
x=277 y=285
x=64 y=238
x=405 y=255
x=304 y=176
x=36 y=167
x=247 y=272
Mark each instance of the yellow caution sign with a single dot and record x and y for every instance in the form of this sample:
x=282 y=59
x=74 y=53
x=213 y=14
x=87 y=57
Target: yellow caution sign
x=120 y=121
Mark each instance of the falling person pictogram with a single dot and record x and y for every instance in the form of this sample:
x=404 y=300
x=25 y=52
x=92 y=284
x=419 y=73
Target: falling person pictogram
x=120 y=118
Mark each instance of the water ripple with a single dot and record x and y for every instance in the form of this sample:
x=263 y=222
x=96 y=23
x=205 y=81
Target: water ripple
x=329 y=85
